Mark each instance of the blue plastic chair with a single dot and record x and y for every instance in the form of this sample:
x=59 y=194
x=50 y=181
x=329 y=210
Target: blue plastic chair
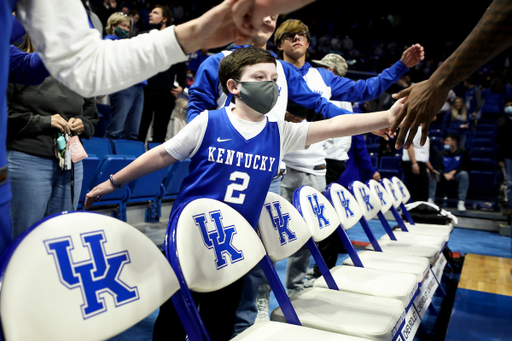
x=98 y=146
x=90 y=164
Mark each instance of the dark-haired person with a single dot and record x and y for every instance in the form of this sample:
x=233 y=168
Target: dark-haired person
x=247 y=153
x=452 y=163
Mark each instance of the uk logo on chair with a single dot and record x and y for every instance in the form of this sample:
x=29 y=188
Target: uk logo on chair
x=94 y=277
x=318 y=210
x=220 y=238
x=281 y=222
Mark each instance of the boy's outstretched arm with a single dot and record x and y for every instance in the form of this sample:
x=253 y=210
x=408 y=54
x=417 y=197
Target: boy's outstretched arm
x=346 y=125
x=152 y=160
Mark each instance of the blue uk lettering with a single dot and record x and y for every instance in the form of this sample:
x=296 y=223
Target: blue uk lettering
x=281 y=223
x=345 y=203
x=318 y=210
x=380 y=194
x=220 y=238
x=402 y=190
x=96 y=276
x=366 y=198
x=394 y=195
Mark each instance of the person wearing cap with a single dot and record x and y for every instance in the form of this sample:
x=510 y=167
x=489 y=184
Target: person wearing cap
x=292 y=39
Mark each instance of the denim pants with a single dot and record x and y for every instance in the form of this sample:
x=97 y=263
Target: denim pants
x=462 y=178
x=125 y=113
x=247 y=310
x=39 y=189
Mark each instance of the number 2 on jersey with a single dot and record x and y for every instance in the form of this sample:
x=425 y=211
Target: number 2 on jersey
x=237 y=187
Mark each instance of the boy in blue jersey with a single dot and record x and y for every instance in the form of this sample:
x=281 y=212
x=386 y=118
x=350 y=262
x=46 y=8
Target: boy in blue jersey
x=235 y=153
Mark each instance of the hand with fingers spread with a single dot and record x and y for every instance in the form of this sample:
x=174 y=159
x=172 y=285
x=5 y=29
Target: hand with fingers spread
x=424 y=101
x=413 y=55
x=60 y=123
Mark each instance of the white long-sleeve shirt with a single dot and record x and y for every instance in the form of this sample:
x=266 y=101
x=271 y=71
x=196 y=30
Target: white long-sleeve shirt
x=76 y=55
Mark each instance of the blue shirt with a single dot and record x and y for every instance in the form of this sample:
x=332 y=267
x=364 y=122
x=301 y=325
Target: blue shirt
x=231 y=169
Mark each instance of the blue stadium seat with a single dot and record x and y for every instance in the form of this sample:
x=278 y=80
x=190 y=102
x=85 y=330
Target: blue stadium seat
x=112 y=164
x=146 y=188
x=484 y=135
x=486 y=127
x=389 y=173
x=481 y=164
x=436 y=142
x=483 y=153
x=373 y=149
x=98 y=146
x=174 y=178
x=90 y=165
x=435 y=131
x=482 y=184
x=375 y=161
x=390 y=162
x=482 y=143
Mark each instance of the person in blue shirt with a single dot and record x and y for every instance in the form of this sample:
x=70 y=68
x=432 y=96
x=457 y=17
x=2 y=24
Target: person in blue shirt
x=125 y=105
x=235 y=153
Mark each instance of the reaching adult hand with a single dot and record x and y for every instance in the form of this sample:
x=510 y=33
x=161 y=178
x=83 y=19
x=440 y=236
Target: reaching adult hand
x=424 y=100
x=413 y=55
x=376 y=176
x=249 y=14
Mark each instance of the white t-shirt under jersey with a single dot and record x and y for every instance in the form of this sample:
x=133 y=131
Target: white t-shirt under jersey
x=422 y=154
x=188 y=140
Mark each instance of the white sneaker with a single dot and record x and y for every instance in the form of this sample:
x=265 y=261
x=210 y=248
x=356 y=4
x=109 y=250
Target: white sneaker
x=431 y=201
x=461 y=206
x=263 y=313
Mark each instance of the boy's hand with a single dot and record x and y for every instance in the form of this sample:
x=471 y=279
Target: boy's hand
x=395 y=110
x=95 y=194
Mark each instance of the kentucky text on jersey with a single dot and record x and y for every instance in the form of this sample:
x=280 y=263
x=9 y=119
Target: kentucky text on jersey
x=239 y=159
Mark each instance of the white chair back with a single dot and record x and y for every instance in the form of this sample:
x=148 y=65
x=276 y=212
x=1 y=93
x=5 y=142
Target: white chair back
x=345 y=205
x=281 y=227
x=215 y=245
x=380 y=192
x=368 y=202
x=81 y=276
x=406 y=196
x=317 y=211
x=393 y=191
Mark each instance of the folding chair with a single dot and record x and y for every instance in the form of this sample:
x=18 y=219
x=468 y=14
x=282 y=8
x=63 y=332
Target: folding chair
x=349 y=212
x=283 y=232
x=387 y=202
x=210 y=245
x=80 y=276
x=410 y=224
x=371 y=206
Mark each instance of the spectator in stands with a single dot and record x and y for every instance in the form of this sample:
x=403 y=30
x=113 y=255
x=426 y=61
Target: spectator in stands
x=417 y=168
x=473 y=99
x=161 y=92
x=125 y=105
x=36 y=114
x=452 y=164
x=504 y=155
x=456 y=122
x=197 y=58
x=494 y=97
x=134 y=19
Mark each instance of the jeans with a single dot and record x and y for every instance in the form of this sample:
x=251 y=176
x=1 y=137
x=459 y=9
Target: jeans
x=298 y=263
x=462 y=178
x=125 y=113
x=247 y=310
x=39 y=189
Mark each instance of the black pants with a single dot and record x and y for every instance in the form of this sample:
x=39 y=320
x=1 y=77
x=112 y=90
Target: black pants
x=417 y=184
x=331 y=246
x=157 y=108
x=217 y=310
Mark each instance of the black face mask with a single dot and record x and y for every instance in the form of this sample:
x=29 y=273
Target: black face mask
x=159 y=26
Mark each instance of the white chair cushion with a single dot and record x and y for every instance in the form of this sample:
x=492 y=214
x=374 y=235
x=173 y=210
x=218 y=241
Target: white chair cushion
x=430 y=227
x=438 y=241
x=394 y=262
x=277 y=331
x=407 y=248
x=371 y=317
x=401 y=286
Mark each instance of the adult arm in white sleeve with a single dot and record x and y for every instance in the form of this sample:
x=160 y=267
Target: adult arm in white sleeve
x=76 y=55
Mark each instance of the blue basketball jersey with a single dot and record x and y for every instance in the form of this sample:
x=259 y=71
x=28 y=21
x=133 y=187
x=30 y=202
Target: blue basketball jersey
x=231 y=169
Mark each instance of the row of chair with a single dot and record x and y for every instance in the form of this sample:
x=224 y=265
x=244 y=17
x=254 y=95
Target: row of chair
x=98 y=276
x=106 y=157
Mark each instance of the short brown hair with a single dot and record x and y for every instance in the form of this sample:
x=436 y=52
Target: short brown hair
x=231 y=66
x=293 y=26
x=166 y=13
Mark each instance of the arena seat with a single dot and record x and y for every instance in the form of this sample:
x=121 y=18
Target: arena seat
x=98 y=146
x=172 y=183
x=90 y=165
x=203 y=265
x=98 y=274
